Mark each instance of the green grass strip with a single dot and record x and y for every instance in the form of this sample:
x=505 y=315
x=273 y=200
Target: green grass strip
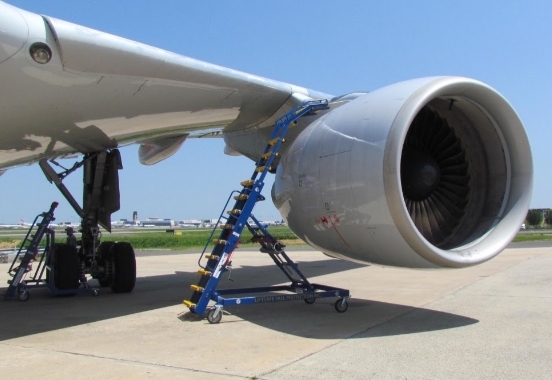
x=189 y=239
x=196 y=238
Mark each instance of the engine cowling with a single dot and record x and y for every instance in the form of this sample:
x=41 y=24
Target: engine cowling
x=424 y=173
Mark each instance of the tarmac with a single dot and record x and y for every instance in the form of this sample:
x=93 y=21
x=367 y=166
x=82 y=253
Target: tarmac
x=486 y=322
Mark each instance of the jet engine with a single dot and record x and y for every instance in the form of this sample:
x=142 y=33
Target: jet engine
x=432 y=172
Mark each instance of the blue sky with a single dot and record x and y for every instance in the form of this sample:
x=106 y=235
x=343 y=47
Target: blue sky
x=334 y=47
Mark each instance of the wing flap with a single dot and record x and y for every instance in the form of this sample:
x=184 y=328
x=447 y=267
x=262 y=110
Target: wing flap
x=152 y=152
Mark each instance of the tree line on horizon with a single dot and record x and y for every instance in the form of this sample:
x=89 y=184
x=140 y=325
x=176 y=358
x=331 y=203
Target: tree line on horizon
x=539 y=217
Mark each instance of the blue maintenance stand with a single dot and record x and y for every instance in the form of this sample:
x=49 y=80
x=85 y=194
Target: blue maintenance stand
x=241 y=217
x=44 y=274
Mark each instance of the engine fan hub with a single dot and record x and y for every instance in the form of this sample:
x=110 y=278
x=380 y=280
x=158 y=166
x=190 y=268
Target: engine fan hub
x=420 y=175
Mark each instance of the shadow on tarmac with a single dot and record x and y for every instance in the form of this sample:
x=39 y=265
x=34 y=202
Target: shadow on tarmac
x=321 y=321
x=43 y=313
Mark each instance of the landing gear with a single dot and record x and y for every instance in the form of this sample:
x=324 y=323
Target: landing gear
x=104 y=282
x=112 y=264
x=119 y=262
x=124 y=268
x=105 y=252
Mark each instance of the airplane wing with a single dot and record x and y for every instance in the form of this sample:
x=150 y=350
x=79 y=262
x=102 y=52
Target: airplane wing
x=99 y=91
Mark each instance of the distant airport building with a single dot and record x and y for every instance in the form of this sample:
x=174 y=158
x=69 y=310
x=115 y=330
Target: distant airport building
x=189 y=223
x=149 y=222
x=157 y=222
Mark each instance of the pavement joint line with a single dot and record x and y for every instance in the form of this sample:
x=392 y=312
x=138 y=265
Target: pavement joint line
x=500 y=296
x=481 y=278
x=411 y=310
x=125 y=360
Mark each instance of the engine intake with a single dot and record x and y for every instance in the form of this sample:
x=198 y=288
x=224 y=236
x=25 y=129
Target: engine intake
x=423 y=173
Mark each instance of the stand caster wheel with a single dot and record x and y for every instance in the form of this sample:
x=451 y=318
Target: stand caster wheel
x=215 y=315
x=309 y=300
x=95 y=292
x=341 y=305
x=24 y=295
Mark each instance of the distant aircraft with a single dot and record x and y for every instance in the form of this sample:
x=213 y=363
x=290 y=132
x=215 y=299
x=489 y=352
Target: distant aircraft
x=191 y=223
x=11 y=226
x=431 y=172
x=117 y=223
x=270 y=222
x=70 y=224
x=23 y=224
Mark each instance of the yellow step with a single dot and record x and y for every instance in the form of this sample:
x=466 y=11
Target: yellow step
x=204 y=272
x=196 y=288
x=267 y=155
x=219 y=241
x=247 y=183
x=212 y=257
x=261 y=168
x=226 y=226
x=235 y=211
x=189 y=304
x=274 y=141
x=241 y=197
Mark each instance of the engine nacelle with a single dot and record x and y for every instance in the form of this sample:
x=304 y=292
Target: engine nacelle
x=424 y=173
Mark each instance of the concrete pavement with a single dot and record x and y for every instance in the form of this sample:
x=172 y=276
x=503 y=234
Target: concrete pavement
x=489 y=321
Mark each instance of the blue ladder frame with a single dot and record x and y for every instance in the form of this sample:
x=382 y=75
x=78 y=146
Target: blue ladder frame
x=239 y=218
x=30 y=251
x=43 y=276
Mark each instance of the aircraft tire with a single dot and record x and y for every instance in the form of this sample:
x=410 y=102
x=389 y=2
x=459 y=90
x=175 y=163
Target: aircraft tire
x=105 y=250
x=124 y=268
x=66 y=267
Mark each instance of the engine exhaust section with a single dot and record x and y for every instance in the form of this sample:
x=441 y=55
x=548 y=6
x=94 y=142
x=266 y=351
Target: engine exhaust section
x=424 y=173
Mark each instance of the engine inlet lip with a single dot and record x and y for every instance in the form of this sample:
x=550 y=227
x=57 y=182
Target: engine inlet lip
x=515 y=144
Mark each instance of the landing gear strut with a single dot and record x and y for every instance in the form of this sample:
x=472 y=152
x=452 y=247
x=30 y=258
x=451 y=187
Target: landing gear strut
x=112 y=264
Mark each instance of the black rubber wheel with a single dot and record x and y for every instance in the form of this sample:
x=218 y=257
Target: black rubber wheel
x=309 y=300
x=105 y=250
x=24 y=295
x=341 y=305
x=66 y=261
x=124 y=268
x=211 y=316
